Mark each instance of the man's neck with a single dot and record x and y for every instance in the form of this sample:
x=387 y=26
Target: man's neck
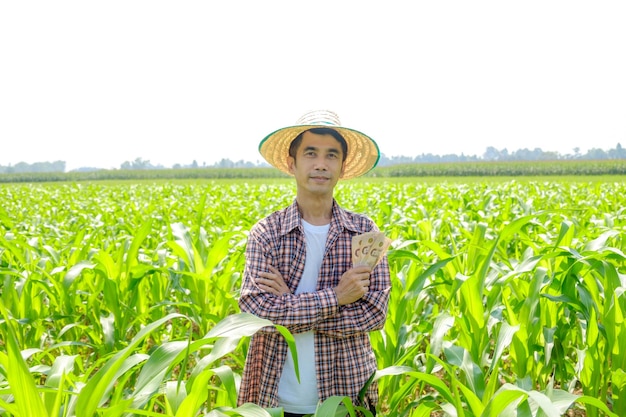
x=316 y=211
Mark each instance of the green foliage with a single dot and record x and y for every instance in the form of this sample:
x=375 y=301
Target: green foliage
x=120 y=298
x=143 y=174
x=536 y=168
x=506 y=168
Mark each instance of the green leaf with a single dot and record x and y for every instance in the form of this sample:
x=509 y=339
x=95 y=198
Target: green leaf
x=246 y=410
x=28 y=402
x=132 y=255
x=93 y=394
x=61 y=366
x=599 y=243
x=443 y=323
x=74 y=272
x=175 y=393
x=238 y=325
x=460 y=357
x=544 y=403
x=584 y=399
x=184 y=248
x=505 y=336
x=154 y=370
x=501 y=400
x=335 y=405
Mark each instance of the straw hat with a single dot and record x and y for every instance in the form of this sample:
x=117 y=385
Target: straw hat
x=363 y=153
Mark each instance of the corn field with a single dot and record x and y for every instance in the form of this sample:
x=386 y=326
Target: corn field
x=120 y=299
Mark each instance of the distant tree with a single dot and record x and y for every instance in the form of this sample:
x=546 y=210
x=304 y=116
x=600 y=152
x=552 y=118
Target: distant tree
x=551 y=156
x=23 y=167
x=491 y=154
x=225 y=163
x=138 y=163
x=87 y=169
x=526 y=154
x=617 y=153
x=596 y=153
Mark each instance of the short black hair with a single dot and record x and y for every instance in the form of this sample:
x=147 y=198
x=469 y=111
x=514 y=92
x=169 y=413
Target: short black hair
x=295 y=144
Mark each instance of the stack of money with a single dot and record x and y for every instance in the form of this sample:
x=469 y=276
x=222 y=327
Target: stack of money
x=369 y=248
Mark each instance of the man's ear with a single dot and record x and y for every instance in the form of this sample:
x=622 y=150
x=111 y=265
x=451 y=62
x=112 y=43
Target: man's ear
x=291 y=163
x=343 y=169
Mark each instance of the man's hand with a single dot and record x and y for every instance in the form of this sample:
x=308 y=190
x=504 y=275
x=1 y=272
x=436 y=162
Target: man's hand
x=353 y=285
x=272 y=282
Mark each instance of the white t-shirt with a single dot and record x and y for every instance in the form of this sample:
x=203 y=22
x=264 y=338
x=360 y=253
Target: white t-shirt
x=294 y=397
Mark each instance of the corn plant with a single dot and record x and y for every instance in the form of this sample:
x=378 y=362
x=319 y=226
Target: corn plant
x=120 y=299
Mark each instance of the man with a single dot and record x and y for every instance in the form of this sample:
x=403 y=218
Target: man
x=299 y=274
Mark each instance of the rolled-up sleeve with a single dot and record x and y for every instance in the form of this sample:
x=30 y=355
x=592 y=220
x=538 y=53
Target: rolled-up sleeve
x=368 y=313
x=299 y=313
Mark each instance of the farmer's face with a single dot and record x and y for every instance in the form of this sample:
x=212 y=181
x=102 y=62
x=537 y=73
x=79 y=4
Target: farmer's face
x=318 y=164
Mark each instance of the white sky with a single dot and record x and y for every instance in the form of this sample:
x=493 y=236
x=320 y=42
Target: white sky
x=100 y=83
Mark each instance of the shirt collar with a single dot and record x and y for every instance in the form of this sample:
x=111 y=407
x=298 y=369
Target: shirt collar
x=340 y=219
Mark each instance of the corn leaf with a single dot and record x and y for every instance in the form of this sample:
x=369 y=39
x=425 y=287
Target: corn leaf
x=28 y=402
x=94 y=392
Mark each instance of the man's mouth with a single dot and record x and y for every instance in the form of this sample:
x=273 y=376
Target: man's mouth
x=319 y=177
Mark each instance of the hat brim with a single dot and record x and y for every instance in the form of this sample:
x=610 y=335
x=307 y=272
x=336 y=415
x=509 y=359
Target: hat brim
x=363 y=152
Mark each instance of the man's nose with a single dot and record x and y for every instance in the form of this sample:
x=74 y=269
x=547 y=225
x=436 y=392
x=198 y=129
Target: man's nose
x=320 y=164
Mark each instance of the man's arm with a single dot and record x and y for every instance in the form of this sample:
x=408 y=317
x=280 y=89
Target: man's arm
x=265 y=292
x=361 y=309
x=366 y=313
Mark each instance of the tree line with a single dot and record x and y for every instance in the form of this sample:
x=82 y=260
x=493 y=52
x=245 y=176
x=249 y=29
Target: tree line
x=491 y=154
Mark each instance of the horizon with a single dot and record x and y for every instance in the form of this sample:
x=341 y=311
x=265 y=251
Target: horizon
x=539 y=155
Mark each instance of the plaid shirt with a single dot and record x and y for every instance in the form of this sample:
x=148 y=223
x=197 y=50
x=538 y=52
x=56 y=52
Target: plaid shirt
x=344 y=358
